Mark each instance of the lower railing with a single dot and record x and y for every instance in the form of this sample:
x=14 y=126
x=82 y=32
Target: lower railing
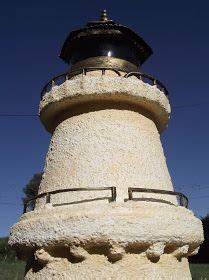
x=47 y=195
x=183 y=200
x=60 y=79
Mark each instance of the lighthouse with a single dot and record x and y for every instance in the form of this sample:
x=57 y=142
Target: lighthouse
x=106 y=207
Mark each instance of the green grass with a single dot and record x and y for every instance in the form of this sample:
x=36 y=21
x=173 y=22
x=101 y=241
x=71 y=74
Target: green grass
x=199 y=271
x=11 y=270
x=14 y=270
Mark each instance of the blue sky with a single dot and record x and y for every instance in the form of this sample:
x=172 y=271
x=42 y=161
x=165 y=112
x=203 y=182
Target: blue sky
x=32 y=34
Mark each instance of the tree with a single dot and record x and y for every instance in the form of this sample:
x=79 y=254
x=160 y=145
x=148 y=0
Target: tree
x=31 y=189
x=6 y=252
x=203 y=255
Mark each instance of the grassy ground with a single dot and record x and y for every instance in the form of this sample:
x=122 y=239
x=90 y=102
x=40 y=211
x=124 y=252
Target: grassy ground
x=11 y=270
x=200 y=271
x=15 y=270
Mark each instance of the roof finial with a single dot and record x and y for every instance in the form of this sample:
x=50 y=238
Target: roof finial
x=104 y=16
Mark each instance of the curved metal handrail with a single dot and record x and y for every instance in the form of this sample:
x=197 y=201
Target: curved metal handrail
x=83 y=71
x=183 y=199
x=48 y=194
x=52 y=83
x=103 y=69
x=155 y=82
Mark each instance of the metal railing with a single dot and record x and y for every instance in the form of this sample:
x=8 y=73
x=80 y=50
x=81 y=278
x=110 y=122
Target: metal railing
x=60 y=79
x=146 y=77
x=47 y=195
x=182 y=198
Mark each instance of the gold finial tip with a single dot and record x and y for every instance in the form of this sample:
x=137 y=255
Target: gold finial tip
x=104 y=16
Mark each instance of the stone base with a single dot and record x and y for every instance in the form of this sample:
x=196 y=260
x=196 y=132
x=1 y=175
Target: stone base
x=132 y=266
x=132 y=240
x=157 y=226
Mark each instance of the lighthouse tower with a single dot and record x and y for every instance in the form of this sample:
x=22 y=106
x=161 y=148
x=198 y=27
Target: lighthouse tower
x=106 y=208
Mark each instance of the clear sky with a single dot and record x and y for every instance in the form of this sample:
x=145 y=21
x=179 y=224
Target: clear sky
x=32 y=34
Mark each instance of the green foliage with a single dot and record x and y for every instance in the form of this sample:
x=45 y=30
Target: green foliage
x=31 y=189
x=203 y=254
x=6 y=253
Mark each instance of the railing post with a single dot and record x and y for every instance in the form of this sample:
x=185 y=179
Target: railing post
x=25 y=207
x=130 y=194
x=117 y=72
x=113 y=190
x=103 y=71
x=187 y=202
x=181 y=200
x=48 y=198
x=66 y=77
x=53 y=83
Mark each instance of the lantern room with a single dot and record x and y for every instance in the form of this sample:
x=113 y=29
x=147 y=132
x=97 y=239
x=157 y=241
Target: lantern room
x=105 y=43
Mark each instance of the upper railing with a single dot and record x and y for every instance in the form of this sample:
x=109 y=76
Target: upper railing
x=183 y=200
x=60 y=79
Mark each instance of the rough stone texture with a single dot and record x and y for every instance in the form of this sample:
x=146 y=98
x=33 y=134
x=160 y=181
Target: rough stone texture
x=106 y=133
x=132 y=266
x=102 y=149
x=125 y=224
x=129 y=240
x=130 y=92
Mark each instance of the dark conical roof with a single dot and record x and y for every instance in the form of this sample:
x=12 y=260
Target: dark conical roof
x=102 y=29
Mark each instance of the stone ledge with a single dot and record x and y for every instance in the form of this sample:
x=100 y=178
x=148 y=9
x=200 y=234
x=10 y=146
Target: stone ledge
x=115 y=91
x=132 y=226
